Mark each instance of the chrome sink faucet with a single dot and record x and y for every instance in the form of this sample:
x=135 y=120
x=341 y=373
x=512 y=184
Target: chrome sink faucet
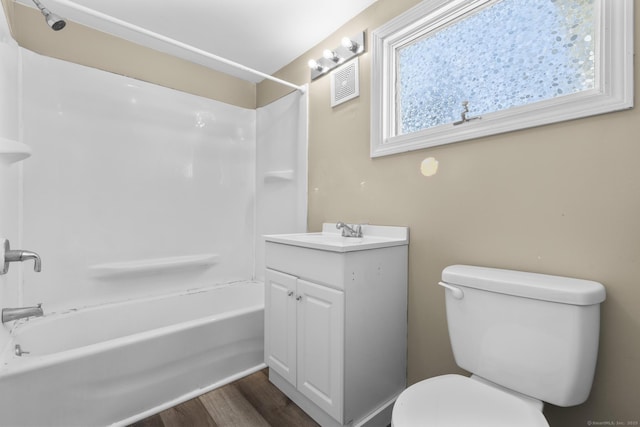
x=19 y=255
x=348 y=231
x=9 y=314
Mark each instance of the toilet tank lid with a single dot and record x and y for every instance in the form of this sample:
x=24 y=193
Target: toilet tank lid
x=564 y=290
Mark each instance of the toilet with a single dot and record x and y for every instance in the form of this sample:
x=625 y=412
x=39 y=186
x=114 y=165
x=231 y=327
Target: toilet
x=526 y=338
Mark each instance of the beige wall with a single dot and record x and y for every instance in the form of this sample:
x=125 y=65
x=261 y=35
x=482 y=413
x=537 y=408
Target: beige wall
x=561 y=199
x=82 y=45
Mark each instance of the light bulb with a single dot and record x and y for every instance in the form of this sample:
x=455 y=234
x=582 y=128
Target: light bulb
x=347 y=43
x=313 y=64
x=330 y=55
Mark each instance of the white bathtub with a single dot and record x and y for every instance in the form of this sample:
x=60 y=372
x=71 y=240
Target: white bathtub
x=118 y=363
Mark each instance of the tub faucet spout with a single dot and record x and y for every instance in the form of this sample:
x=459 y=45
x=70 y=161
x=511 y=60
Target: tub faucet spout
x=9 y=314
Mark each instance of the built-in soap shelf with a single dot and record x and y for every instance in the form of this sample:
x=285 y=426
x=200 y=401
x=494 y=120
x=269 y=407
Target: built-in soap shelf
x=281 y=175
x=153 y=265
x=13 y=151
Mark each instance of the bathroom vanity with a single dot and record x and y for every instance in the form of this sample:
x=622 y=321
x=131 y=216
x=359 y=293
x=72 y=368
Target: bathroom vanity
x=336 y=322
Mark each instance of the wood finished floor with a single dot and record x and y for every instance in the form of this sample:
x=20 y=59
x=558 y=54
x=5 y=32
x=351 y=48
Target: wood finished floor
x=249 y=402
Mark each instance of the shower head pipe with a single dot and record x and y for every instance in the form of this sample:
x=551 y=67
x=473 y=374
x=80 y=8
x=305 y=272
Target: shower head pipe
x=53 y=20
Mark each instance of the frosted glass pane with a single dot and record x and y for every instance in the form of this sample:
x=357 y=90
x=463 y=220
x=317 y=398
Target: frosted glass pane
x=509 y=54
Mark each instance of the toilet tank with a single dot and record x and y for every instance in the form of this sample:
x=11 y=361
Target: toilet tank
x=532 y=333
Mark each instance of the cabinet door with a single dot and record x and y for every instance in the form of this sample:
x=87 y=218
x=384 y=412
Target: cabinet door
x=280 y=324
x=321 y=346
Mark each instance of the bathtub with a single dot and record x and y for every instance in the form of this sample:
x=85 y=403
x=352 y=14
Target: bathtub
x=118 y=363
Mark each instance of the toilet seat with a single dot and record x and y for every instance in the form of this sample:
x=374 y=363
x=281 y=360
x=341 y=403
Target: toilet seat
x=455 y=400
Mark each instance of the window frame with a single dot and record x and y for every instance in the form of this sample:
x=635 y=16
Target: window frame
x=613 y=88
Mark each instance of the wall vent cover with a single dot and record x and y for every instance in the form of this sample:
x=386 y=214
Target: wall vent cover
x=345 y=83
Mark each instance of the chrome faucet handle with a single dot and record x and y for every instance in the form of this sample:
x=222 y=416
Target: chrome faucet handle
x=18 y=255
x=24 y=255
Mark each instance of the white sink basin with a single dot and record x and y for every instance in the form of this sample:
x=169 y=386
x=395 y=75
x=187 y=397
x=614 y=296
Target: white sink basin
x=330 y=239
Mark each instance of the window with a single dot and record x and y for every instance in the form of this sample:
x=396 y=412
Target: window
x=447 y=71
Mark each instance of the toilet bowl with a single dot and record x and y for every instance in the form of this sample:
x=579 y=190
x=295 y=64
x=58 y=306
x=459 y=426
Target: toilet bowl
x=525 y=337
x=455 y=400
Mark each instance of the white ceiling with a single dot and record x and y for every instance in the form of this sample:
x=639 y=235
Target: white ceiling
x=261 y=34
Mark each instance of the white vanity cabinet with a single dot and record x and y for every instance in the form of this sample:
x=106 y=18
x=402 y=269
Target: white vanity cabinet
x=306 y=324
x=335 y=322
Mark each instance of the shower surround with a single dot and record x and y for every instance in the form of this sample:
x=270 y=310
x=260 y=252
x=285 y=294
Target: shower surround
x=135 y=189
x=128 y=179
x=136 y=192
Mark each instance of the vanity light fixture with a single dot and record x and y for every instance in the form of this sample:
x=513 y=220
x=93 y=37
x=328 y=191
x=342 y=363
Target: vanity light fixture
x=350 y=47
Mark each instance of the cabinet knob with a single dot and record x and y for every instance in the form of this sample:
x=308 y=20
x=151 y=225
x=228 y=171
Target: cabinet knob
x=299 y=298
x=290 y=293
